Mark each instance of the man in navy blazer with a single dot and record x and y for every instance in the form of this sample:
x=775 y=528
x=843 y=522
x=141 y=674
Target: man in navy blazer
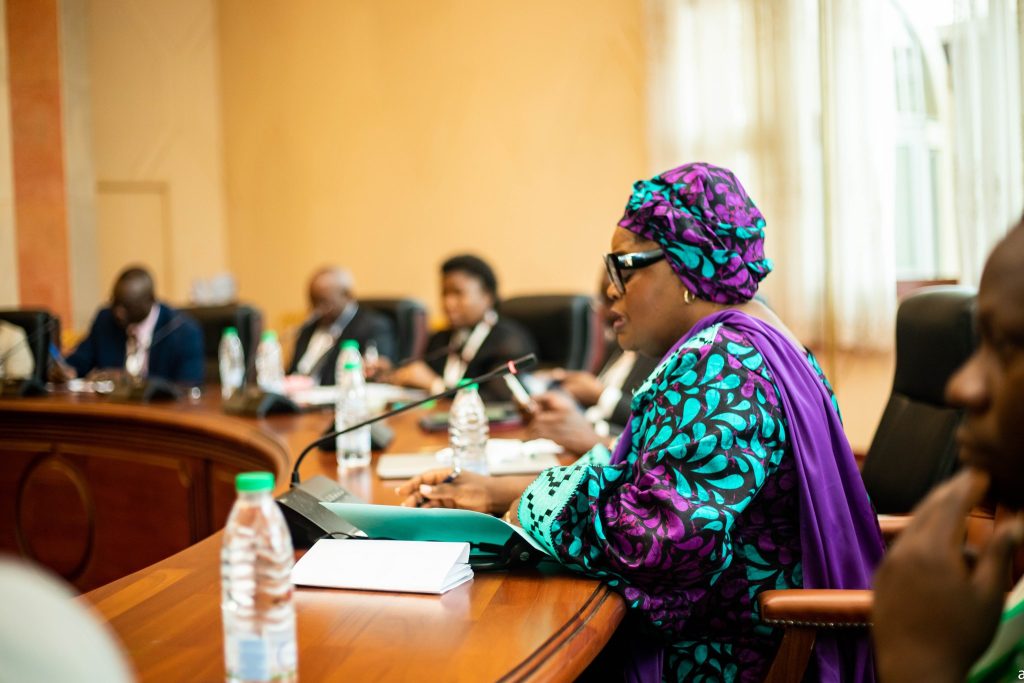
x=163 y=342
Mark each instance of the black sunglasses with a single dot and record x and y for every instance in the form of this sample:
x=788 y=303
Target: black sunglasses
x=616 y=263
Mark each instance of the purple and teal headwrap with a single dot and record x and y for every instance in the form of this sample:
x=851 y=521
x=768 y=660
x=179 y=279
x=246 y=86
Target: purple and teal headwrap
x=710 y=230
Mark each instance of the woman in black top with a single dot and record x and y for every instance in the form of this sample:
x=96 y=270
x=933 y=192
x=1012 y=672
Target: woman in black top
x=477 y=339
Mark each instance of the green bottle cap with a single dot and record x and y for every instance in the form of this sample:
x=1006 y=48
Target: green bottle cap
x=249 y=482
x=230 y=332
x=349 y=344
x=268 y=335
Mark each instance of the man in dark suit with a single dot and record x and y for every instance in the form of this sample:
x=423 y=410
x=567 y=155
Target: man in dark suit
x=139 y=335
x=338 y=317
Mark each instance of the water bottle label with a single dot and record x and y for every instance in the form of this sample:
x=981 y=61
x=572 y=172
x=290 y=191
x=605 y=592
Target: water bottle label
x=254 y=658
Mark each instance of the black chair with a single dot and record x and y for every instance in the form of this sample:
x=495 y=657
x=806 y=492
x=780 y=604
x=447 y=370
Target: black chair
x=914 y=447
x=409 y=318
x=913 y=450
x=41 y=329
x=562 y=325
x=214 y=319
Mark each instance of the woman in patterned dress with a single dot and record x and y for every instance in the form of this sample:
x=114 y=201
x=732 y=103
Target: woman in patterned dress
x=733 y=475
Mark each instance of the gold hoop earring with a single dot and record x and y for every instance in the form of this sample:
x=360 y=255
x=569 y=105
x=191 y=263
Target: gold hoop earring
x=689 y=297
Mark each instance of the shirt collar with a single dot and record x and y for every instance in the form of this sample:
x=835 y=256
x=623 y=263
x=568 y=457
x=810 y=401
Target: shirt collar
x=144 y=330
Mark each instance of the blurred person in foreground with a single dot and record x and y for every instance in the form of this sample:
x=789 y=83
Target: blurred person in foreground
x=940 y=616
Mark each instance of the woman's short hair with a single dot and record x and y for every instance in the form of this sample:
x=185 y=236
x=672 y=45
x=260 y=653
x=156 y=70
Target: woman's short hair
x=476 y=267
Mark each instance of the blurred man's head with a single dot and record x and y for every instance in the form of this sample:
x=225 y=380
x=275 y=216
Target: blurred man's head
x=330 y=292
x=990 y=386
x=133 y=296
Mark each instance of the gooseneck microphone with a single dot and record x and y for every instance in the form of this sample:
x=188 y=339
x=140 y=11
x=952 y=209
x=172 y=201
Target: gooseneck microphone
x=308 y=520
x=513 y=367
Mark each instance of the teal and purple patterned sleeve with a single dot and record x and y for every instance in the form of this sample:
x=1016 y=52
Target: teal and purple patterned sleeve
x=707 y=433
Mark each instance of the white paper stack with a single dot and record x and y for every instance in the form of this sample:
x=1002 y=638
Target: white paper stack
x=402 y=566
x=504 y=456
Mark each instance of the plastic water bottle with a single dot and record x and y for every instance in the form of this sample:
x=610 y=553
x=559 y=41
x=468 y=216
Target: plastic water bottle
x=269 y=368
x=468 y=431
x=256 y=587
x=353 y=448
x=232 y=362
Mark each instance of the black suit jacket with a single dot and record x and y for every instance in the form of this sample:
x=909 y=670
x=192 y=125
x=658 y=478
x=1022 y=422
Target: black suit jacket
x=365 y=326
x=507 y=341
x=176 y=353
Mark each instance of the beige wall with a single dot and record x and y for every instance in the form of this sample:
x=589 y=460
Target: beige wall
x=8 y=247
x=157 y=140
x=79 y=174
x=389 y=135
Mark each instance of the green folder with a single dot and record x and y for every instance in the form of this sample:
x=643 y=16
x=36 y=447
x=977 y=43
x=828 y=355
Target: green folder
x=495 y=544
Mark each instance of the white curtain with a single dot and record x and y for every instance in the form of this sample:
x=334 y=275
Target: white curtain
x=738 y=83
x=859 y=120
x=989 y=183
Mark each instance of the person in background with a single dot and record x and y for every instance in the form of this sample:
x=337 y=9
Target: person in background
x=606 y=397
x=937 y=613
x=723 y=483
x=140 y=335
x=16 y=360
x=336 y=317
x=477 y=339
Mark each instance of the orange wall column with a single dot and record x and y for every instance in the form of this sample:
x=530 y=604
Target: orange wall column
x=37 y=150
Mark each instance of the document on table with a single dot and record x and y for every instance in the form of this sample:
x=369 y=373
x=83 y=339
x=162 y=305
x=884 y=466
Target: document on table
x=504 y=456
x=402 y=566
x=377 y=395
x=431 y=524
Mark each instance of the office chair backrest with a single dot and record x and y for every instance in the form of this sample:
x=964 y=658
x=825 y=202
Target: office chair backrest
x=409 y=318
x=562 y=326
x=214 y=319
x=914 y=448
x=38 y=338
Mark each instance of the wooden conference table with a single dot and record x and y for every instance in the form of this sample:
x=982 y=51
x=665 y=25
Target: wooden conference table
x=95 y=489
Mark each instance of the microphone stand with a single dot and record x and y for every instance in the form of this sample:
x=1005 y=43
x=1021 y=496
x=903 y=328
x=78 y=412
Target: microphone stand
x=307 y=519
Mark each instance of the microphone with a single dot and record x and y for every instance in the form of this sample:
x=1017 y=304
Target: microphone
x=31 y=385
x=307 y=519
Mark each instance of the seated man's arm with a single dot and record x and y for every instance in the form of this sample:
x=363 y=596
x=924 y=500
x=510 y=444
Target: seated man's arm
x=83 y=358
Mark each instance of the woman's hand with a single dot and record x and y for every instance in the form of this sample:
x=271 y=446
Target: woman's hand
x=561 y=421
x=416 y=374
x=934 y=613
x=469 y=491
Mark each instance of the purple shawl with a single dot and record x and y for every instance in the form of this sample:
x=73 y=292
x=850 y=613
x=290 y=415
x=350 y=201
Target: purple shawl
x=840 y=544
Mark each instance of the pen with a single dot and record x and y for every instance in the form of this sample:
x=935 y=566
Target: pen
x=452 y=476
